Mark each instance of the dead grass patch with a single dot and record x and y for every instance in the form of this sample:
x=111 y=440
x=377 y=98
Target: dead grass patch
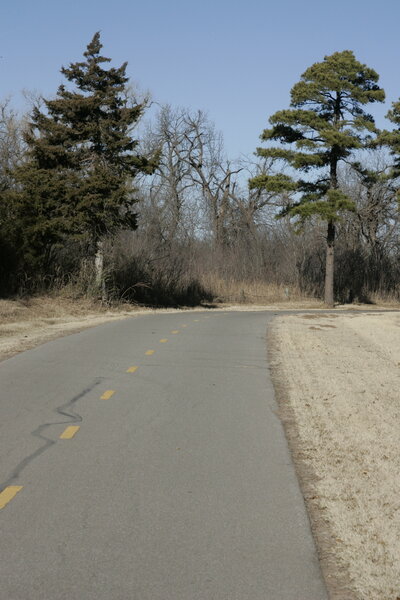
x=50 y=307
x=25 y=323
x=339 y=401
x=252 y=292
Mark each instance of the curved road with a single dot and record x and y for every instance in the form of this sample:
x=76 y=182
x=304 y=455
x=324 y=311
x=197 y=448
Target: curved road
x=143 y=460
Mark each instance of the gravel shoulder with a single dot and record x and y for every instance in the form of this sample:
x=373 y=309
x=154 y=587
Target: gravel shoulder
x=337 y=379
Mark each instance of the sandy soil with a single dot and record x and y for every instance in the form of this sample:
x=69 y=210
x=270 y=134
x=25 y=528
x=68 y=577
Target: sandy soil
x=338 y=379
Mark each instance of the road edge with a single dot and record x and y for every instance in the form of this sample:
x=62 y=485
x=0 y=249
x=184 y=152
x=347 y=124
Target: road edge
x=336 y=579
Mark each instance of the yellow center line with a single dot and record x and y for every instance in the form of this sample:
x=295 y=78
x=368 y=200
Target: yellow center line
x=107 y=394
x=196 y=319
x=150 y=352
x=8 y=494
x=184 y=325
x=175 y=331
x=163 y=341
x=69 y=432
x=132 y=369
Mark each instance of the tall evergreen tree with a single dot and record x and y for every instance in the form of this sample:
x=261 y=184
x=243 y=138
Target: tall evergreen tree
x=325 y=124
x=77 y=180
x=392 y=139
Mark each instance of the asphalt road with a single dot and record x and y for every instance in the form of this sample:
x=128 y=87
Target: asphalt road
x=172 y=481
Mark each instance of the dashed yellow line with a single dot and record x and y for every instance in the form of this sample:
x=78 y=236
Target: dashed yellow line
x=8 y=494
x=175 y=331
x=69 y=432
x=196 y=320
x=184 y=325
x=163 y=341
x=150 y=352
x=107 y=394
x=132 y=369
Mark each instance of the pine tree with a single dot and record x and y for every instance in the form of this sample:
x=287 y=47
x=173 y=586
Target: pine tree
x=77 y=180
x=392 y=139
x=325 y=124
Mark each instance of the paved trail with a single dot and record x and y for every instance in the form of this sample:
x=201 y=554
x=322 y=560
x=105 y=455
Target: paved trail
x=143 y=460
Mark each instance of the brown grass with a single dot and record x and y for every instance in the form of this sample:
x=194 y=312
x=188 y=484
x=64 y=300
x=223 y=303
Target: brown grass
x=251 y=292
x=338 y=387
x=50 y=307
x=25 y=323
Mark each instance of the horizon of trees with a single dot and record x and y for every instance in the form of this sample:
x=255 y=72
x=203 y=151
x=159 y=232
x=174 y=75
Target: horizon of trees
x=165 y=217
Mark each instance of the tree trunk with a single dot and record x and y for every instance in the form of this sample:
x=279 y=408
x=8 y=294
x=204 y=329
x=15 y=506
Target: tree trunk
x=330 y=238
x=329 y=266
x=99 y=271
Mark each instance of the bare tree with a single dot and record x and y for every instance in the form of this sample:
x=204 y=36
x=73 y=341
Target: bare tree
x=11 y=143
x=168 y=194
x=212 y=173
x=375 y=220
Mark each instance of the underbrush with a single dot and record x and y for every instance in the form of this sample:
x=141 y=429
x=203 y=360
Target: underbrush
x=54 y=305
x=140 y=272
x=249 y=292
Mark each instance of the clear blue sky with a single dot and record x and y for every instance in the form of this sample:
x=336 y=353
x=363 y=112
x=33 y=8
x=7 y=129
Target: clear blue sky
x=235 y=59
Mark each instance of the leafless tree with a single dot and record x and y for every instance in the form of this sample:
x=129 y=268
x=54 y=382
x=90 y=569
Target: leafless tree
x=11 y=143
x=376 y=217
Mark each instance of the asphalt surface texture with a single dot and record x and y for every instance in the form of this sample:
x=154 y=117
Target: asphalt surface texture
x=144 y=460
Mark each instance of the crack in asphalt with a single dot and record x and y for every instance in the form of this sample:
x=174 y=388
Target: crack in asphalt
x=64 y=410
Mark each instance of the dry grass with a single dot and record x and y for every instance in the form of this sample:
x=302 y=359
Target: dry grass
x=384 y=299
x=12 y=311
x=247 y=292
x=26 y=323
x=338 y=382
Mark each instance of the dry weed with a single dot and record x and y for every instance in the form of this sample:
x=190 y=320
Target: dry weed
x=250 y=292
x=338 y=389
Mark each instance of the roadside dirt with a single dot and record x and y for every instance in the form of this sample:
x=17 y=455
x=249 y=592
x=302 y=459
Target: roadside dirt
x=337 y=379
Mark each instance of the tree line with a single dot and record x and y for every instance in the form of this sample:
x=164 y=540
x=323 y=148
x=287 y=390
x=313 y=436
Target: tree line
x=91 y=204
